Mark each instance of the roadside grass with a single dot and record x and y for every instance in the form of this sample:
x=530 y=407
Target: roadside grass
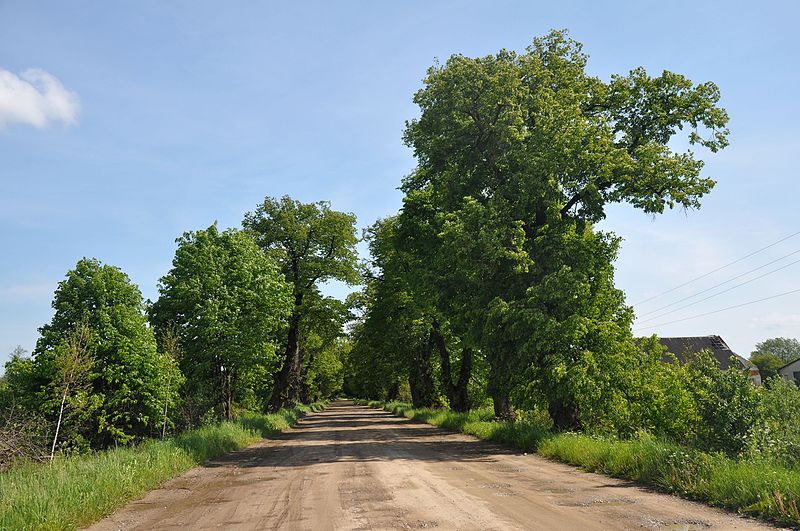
x=478 y=422
x=75 y=491
x=754 y=488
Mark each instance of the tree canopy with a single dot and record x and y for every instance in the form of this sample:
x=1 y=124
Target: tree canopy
x=785 y=348
x=314 y=244
x=518 y=156
x=123 y=395
x=228 y=302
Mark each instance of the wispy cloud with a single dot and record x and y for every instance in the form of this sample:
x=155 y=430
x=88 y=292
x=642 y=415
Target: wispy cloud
x=36 y=98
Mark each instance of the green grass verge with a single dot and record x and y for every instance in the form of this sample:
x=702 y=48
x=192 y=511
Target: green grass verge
x=753 y=488
x=478 y=422
x=75 y=491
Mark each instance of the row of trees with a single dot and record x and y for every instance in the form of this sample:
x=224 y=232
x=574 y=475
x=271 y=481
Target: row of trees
x=240 y=323
x=493 y=274
x=493 y=283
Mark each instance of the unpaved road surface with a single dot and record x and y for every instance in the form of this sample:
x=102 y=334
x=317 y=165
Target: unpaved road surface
x=353 y=467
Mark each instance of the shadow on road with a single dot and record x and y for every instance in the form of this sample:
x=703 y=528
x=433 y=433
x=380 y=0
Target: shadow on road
x=343 y=433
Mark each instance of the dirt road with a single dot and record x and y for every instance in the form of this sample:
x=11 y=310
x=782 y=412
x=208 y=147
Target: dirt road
x=353 y=467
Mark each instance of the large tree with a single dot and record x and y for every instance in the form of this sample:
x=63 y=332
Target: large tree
x=413 y=251
x=121 y=395
x=314 y=244
x=227 y=301
x=785 y=348
x=518 y=151
x=397 y=322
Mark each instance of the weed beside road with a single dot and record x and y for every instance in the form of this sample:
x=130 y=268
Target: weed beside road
x=72 y=492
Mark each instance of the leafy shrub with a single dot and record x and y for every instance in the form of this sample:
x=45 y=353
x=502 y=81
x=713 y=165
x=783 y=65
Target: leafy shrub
x=776 y=435
x=695 y=404
x=727 y=405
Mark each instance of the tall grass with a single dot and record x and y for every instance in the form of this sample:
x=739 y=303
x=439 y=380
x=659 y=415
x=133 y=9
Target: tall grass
x=755 y=488
x=752 y=487
x=76 y=491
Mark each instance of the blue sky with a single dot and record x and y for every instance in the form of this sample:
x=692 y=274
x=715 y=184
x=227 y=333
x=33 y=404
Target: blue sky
x=162 y=117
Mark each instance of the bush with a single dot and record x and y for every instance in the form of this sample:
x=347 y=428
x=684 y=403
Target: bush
x=696 y=404
x=775 y=437
x=727 y=406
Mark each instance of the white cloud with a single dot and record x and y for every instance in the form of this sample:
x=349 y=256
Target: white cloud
x=36 y=98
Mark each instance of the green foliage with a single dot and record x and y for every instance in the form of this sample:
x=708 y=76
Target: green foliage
x=775 y=437
x=123 y=397
x=392 y=341
x=24 y=433
x=17 y=381
x=324 y=374
x=228 y=301
x=324 y=347
x=727 y=405
x=768 y=364
x=518 y=155
x=313 y=244
x=657 y=398
x=695 y=404
x=787 y=349
x=366 y=373
x=75 y=491
x=568 y=334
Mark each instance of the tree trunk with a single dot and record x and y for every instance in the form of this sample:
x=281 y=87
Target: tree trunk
x=394 y=391
x=227 y=394
x=284 y=380
x=456 y=393
x=420 y=379
x=166 y=401
x=502 y=407
x=564 y=416
x=499 y=388
x=461 y=402
x=58 y=425
x=298 y=389
x=303 y=387
x=444 y=356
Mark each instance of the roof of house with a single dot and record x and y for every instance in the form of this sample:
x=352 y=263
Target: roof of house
x=790 y=363
x=680 y=346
